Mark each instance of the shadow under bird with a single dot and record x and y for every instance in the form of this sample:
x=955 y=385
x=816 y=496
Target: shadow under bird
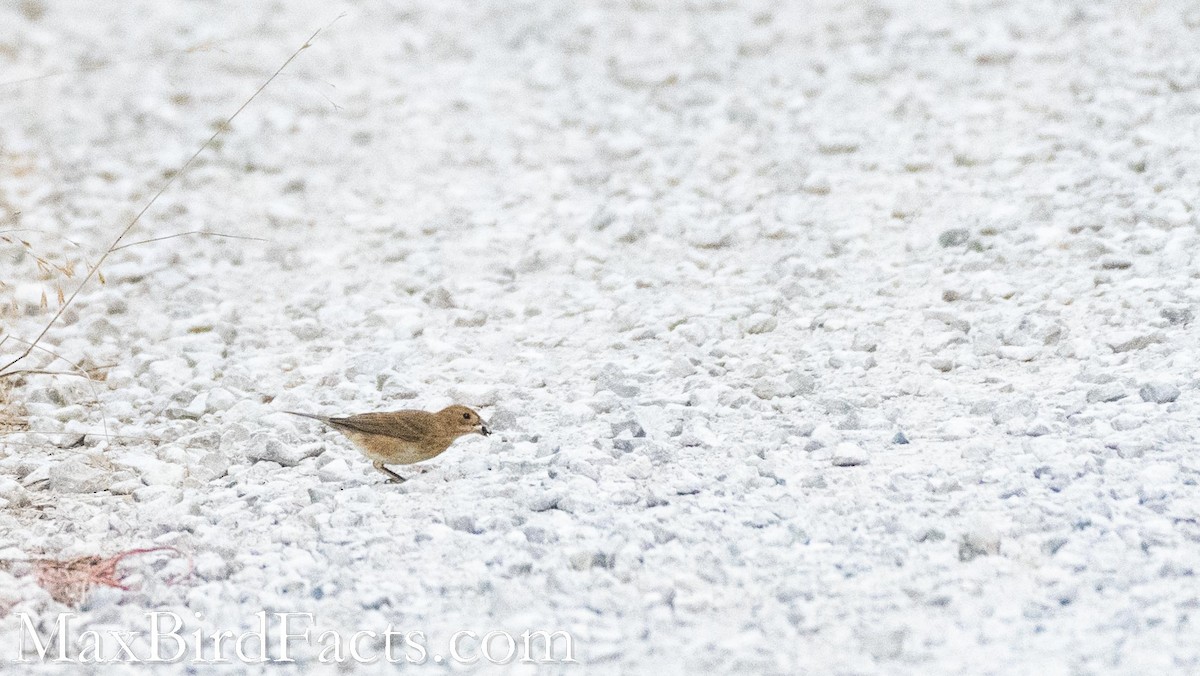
x=404 y=437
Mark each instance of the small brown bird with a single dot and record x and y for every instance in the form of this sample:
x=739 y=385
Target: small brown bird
x=404 y=437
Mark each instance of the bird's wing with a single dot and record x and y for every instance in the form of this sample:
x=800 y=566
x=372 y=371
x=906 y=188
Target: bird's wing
x=412 y=426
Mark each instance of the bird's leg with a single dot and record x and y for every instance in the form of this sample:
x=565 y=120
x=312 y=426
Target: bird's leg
x=393 y=477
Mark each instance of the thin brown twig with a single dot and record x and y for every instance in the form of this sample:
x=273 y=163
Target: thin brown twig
x=322 y=94
x=88 y=433
x=77 y=71
x=41 y=372
x=209 y=45
x=84 y=450
x=69 y=581
x=224 y=126
x=78 y=367
x=68 y=240
x=191 y=232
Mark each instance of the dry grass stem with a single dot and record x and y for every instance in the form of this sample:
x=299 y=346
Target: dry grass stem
x=174 y=176
x=70 y=580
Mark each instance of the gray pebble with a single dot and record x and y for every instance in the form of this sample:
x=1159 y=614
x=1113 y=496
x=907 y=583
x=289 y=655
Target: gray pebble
x=759 y=323
x=1124 y=423
x=709 y=238
x=697 y=433
x=465 y=523
x=546 y=499
x=615 y=381
x=262 y=448
x=502 y=420
x=76 y=475
x=976 y=544
x=101 y=329
x=815 y=481
x=837 y=144
x=817 y=183
x=884 y=643
x=1023 y=408
x=823 y=436
x=623 y=445
x=367 y=364
x=306 y=329
x=1129 y=342
x=219 y=399
x=1109 y=392
x=929 y=535
x=438 y=297
x=1038 y=429
x=864 y=343
x=336 y=470
x=849 y=455
x=12 y=494
x=954 y=237
x=772 y=388
x=1176 y=315
x=1159 y=393
x=630 y=426
x=472 y=320
x=539 y=535
x=801 y=383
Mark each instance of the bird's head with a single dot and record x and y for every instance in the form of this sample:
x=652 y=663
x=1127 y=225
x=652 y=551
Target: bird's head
x=463 y=420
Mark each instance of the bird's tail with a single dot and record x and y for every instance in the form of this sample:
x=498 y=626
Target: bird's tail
x=322 y=418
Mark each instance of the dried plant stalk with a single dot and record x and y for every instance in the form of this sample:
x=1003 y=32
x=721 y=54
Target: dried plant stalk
x=93 y=270
x=70 y=580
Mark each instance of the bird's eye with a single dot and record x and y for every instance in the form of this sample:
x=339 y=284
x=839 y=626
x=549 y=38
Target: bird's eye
x=466 y=416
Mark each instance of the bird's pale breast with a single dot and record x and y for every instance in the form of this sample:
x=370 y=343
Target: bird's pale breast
x=395 y=451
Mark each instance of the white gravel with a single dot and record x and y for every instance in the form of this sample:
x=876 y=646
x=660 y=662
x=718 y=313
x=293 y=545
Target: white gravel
x=819 y=337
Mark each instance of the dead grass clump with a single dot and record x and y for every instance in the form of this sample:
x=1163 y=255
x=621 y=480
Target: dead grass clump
x=92 y=269
x=69 y=581
x=24 y=247
x=12 y=416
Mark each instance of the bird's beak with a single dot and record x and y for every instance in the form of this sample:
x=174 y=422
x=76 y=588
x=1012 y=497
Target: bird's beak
x=483 y=429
